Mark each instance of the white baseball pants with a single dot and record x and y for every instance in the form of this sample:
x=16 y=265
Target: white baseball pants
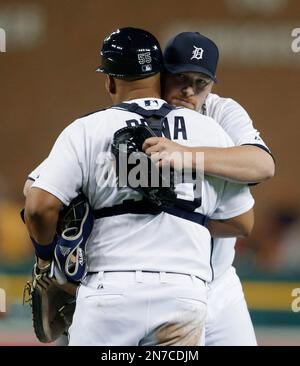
x=228 y=322
x=139 y=309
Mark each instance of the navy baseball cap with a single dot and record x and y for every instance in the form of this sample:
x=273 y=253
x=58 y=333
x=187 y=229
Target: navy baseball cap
x=191 y=52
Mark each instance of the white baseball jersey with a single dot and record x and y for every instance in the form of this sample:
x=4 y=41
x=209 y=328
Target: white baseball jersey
x=233 y=118
x=144 y=242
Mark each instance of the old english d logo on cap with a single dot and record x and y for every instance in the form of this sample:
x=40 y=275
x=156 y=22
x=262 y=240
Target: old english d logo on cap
x=197 y=53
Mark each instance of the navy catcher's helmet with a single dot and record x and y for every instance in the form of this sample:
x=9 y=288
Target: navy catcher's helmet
x=131 y=54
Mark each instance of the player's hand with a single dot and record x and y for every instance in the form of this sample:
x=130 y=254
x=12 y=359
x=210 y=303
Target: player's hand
x=42 y=264
x=166 y=152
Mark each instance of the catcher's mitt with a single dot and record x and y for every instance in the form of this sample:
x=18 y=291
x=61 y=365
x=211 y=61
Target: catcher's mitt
x=127 y=147
x=53 y=305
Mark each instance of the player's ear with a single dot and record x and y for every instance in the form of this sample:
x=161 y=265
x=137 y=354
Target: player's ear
x=110 y=84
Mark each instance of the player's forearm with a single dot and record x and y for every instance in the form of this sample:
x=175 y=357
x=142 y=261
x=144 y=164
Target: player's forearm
x=239 y=226
x=243 y=164
x=41 y=225
x=223 y=229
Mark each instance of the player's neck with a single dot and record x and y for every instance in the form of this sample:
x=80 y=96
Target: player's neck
x=137 y=94
x=144 y=88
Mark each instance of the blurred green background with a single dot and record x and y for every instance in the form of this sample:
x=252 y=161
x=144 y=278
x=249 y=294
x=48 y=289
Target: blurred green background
x=47 y=80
